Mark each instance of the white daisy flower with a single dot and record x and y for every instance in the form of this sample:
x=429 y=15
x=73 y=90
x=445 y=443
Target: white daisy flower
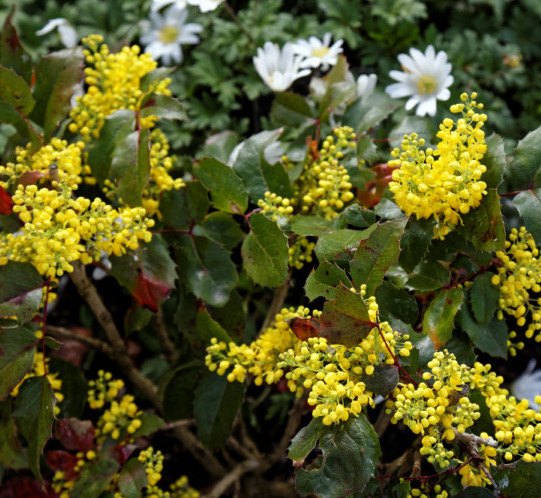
x=366 y=84
x=278 y=68
x=528 y=385
x=160 y=4
x=167 y=33
x=318 y=52
x=67 y=33
x=425 y=79
x=205 y=5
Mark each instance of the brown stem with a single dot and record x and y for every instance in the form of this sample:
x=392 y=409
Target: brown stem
x=66 y=334
x=221 y=486
x=165 y=341
x=276 y=305
x=382 y=422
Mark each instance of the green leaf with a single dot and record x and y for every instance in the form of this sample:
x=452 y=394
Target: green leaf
x=130 y=165
x=163 y=107
x=150 y=423
x=15 y=92
x=220 y=145
x=116 y=128
x=338 y=89
x=350 y=454
x=206 y=269
x=305 y=440
x=17 y=346
x=74 y=387
x=57 y=77
x=221 y=228
x=322 y=281
x=483 y=226
x=410 y=124
x=290 y=109
x=216 y=404
x=345 y=319
x=313 y=225
x=383 y=380
x=485 y=422
x=429 y=275
x=265 y=252
x=23 y=307
x=226 y=188
x=181 y=209
x=357 y=216
x=369 y=111
x=94 y=478
x=376 y=254
x=12 y=54
x=341 y=244
x=207 y=327
x=258 y=175
x=132 y=479
x=474 y=492
x=397 y=302
x=528 y=204
x=495 y=161
x=178 y=395
x=526 y=164
x=522 y=482
x=415 y=241
x=388 y=210
x=484 y=298
x=438 y=321
x=490 y=338
x=34 y=417
x=12 y=454
x=18 y=279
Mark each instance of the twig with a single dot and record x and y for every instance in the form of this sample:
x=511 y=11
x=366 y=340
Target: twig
x=221 y=486
x=165 y=342
x=177 y=423
x=276 y=305
x=472 y=441
x=63 y=333
x=382 y=422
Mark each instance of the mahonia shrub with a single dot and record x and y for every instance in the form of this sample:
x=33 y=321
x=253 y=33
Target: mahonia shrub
x=307 y=309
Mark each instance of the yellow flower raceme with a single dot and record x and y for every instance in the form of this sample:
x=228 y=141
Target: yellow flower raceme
x=517 y=278
x=60 y=229
x=115 y=81
x=444 y=182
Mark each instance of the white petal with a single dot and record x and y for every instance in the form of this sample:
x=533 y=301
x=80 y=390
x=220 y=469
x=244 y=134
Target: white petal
x=68 y=35
x=444 y=94
x=398 y=90
x=51 y=25
x=427 y=106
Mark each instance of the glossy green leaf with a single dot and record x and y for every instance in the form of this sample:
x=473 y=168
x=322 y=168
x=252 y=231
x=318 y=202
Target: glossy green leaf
x=290 y=109
x=322 y=281
x=314 y=225
x=528 y=204
x=351 y=452
x=216 y=404
x=484 y=298
x=101 y=151
x=132 y=479
x=181 y=209
x=415 y=242
x=258 y=175
x=365 y=113
x=383 y=380
x=15 y=92
x=95 y=477
x=226 y=188
x=74 y=387
x=18 y=279
x=23 y=307
x=150 y=423
x=179 y=392
x=305 y=440
x=439 y=318
x=17 y=346
x=220 y=145
x=12 y=454
x=338 y=90
x=474 y=492
x=490 y=338
x=207 y=327
x=388 y=210
x=485 y=423
x=163 y=107
x=57 y=77
x=376 y=254
x=397 y=302
x=265 y=252
x=524 y=481
x=522 y=170
x=357 y=216
x=221 y=228
x=12 y=53
x=495 y=161
x=34 y=416
x=206 y=269
x=483 y=226
x=341 y=245
x=411 y=124
x=429 y=275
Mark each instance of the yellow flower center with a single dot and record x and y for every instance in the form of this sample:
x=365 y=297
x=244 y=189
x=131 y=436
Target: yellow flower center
x=168 y=34
x=319 y=52
x=427 y=84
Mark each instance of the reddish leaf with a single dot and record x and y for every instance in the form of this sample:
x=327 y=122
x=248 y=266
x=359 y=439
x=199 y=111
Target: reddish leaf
x=30 y=177
x=74 y=351
x=304 y=328
x=25 y=486
x=75 y=434
x=6 y=202
x=371 y=195
x=63 y=461
x=149 y=291
x=122 y=452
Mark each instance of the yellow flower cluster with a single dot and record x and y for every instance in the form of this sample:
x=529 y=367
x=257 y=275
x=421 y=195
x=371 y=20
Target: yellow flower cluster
x=261 y=356
x=115 y=81
x=425 y=488
x=66 y=158
x=39 y=369
x=60 y=229
x=62 y=486
x=120 y=420
x=517 y=277
x=323 y=189
x=445 y=182
x=153 y=462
